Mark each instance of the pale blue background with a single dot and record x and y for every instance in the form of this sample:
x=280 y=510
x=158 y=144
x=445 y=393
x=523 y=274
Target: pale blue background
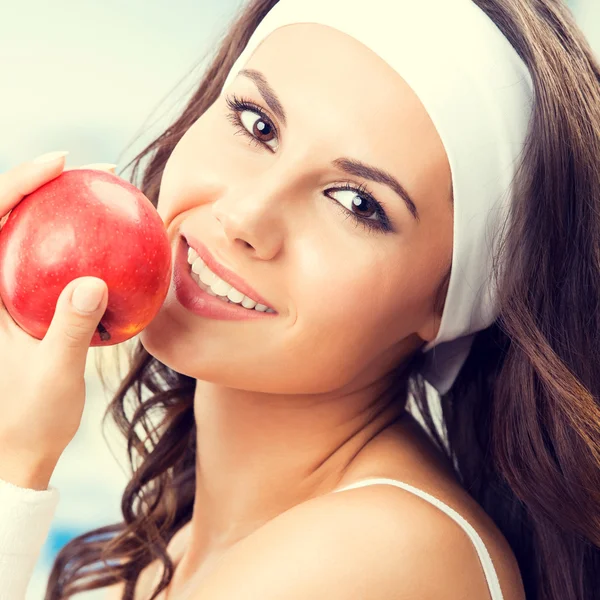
x=86 y=77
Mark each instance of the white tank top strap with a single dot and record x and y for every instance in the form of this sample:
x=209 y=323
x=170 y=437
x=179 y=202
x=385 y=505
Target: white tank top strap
x=484 y=556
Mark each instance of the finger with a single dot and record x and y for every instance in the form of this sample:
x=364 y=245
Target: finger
x=78 y=312
x=27 y=177
x=97 y=166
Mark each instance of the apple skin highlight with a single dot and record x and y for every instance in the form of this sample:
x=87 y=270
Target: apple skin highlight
x=85 y=222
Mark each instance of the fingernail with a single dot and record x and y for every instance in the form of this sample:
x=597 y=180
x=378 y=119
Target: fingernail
x=87 y=296
x=50 y=157
x=99 y=166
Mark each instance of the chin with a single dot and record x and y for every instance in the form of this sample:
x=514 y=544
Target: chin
x=174 y=345
x=162 y=340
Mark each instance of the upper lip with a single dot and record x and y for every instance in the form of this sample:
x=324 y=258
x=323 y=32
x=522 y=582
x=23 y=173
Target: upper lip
x=225 y=274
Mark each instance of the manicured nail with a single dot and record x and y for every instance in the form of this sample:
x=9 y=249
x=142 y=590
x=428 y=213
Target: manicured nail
x=88 y=296
x=50 y=157
x=99 y=166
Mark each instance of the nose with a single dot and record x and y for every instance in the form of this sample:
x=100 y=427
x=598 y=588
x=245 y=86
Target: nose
x=251 y=216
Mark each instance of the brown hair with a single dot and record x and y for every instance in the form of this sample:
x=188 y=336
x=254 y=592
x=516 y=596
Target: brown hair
x=522 y=421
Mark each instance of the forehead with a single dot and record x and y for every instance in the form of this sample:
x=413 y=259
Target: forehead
x=332 y=85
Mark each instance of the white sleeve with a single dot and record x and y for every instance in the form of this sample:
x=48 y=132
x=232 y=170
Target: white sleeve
x=25 y=518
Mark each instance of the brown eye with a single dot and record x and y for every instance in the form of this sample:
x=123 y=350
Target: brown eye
x=357 y=204
x=259 y=127
x=363 y=206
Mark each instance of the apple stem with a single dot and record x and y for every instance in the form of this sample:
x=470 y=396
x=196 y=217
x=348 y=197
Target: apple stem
x=104 y=335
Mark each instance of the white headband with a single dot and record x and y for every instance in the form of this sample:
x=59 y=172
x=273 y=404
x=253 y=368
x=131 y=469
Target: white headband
x=479 y=94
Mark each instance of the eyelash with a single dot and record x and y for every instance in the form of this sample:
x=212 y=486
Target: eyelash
x=238 y=105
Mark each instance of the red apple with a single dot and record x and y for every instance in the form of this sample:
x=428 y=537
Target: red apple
x=85 y=222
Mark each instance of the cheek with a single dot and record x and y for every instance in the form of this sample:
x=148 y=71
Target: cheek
x=360 y=308
x=344 y=308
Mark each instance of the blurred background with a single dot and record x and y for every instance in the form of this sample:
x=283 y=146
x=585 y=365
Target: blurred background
x=101 y=80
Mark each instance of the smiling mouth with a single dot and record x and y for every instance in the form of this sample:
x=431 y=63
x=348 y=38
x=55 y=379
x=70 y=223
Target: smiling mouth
x=215 y=286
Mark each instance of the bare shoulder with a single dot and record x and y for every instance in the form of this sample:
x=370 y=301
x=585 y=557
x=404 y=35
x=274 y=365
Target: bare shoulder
x=379 y=542
x=114 y=592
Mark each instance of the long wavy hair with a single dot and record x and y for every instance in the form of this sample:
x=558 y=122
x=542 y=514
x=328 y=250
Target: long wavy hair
x=522 y=422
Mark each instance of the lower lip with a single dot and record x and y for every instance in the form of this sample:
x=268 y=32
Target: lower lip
x=199 y=302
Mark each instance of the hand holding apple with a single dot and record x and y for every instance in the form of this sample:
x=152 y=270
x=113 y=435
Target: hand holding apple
x=42 y=387
x=85 y=223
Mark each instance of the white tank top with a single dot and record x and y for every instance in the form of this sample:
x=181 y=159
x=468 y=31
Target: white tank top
x=484 y=556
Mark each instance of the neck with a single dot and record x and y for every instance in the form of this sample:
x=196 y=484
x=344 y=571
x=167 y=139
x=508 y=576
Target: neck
x=260 y=454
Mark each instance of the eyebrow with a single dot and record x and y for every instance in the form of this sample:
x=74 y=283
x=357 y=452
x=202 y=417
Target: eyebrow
x=348 y=165
x=267 y=92
x=360 y=169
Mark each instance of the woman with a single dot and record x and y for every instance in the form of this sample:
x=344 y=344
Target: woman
x=413 y=196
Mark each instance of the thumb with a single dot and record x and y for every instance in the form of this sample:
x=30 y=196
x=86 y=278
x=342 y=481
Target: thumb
x=78 y=312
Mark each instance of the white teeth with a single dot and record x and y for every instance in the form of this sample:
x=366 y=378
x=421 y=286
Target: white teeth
x=215 y=286
x=235 y=295
x=207 y=276
x=198 y=265
x=248 y=302
x=220 y=287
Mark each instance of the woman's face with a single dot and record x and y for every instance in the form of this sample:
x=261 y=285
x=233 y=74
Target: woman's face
x=351 y=269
